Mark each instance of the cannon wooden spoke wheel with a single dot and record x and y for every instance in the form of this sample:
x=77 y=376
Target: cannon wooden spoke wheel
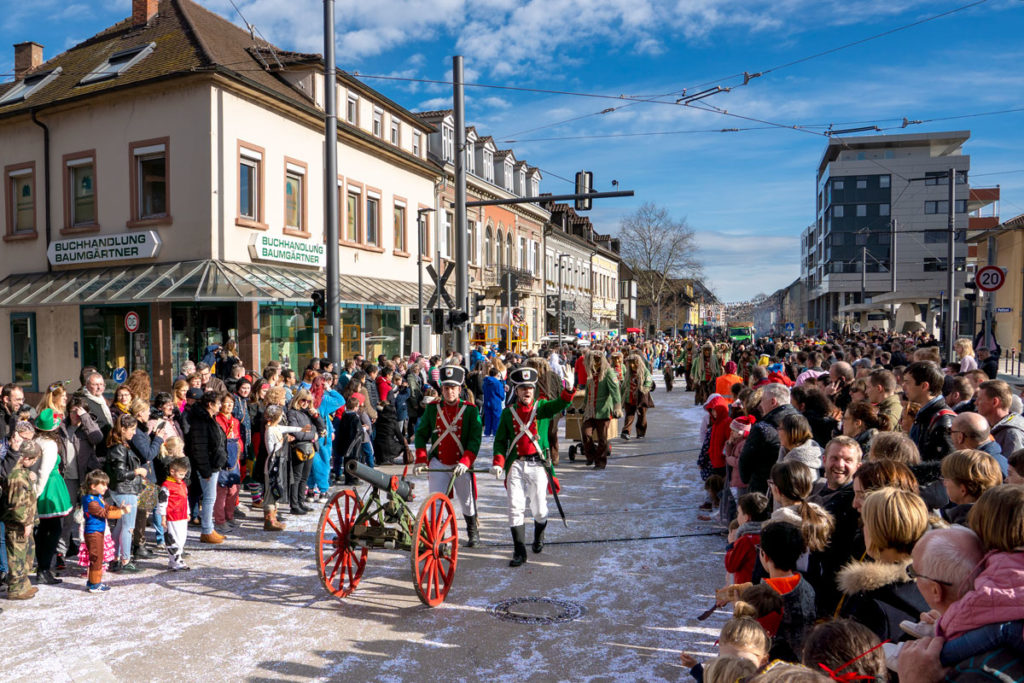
x=339 y=564
x=435 y=549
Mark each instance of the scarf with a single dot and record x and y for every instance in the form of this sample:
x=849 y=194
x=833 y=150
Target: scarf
x=101 y=404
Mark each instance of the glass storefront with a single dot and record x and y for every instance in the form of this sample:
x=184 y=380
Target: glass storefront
x=108 y=346
x=286 y=335
x=351 y=332
x=23 y=351
x=196 y=326
x=383 y=331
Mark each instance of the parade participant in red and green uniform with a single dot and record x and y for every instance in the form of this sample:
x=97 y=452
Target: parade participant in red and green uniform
x=519 y=458
x=453 y=429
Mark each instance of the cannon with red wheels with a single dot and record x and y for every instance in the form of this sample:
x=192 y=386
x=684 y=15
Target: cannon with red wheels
x=349 y=527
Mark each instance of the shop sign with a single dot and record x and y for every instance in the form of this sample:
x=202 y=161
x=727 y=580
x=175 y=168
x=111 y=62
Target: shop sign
x=1004 y=310
x=264 y=247
x=129 y=246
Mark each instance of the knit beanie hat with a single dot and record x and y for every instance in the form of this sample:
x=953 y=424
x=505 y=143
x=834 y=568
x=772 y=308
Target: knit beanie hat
x=741 y=425
x=730 y=367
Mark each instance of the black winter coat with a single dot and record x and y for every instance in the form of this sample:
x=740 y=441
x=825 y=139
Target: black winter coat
x=302 y=418
x=120 y=467
x=934 y=437
x=761 y=449
x=205 y=443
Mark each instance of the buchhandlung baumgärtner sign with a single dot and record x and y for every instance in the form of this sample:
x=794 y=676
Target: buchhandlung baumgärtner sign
x=100 y=248
x=264 y=247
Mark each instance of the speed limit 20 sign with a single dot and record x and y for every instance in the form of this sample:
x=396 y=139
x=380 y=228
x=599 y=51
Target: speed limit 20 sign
x=990 y=278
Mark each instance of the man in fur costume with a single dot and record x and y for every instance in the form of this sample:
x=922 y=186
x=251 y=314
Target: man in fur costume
x=705 y=371
x=687 y=363
x=520 y=459
x=636 y=390
x=453 y=429
x=602 y=404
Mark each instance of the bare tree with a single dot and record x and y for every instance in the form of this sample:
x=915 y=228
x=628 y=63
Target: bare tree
x=659 y=249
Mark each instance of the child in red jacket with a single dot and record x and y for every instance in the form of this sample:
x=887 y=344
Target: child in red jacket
x=741 y=554
x=173 y=507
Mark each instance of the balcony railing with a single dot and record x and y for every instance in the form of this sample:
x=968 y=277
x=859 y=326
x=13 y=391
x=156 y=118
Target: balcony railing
x=521 y=279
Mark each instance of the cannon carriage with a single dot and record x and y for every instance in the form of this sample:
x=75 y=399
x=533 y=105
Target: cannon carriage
x=349 y=527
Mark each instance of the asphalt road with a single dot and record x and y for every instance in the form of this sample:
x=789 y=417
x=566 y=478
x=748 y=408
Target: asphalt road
x=613 y=597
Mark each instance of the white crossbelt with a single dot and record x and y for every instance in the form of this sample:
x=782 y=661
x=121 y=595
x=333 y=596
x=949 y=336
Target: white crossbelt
x=524 y=430
x=449 y=429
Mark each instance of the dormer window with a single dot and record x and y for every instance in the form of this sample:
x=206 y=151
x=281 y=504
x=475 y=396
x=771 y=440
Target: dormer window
x=118 y=62
x=470 y=158
x=508 y=176
x=30 y=85
x=488 y=166
x=534 y=188
x=447 y=143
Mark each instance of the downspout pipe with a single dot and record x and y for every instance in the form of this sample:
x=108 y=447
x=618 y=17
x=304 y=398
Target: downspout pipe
x=46 y=185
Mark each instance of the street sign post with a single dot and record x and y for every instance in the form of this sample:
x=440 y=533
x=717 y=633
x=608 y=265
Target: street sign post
x=990 y=278
x=790 y=327
x=131 y=323
x=120 y=375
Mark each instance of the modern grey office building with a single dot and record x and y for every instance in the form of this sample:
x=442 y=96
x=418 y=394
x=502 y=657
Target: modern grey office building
x=882 y=204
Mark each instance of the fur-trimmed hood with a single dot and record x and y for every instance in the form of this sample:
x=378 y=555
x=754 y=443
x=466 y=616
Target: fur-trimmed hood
x=864 y=577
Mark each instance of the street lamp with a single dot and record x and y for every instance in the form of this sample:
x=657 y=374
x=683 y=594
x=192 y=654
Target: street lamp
x=560 y=257
x=419 y=272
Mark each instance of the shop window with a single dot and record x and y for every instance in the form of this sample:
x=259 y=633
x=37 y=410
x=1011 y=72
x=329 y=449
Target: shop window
x=382 y=332
x=21 y=199
x=24 y=368
x=286 y=335
x=150 y=182
x=80 y=191
x=107 y=346
x=250 y=186
x=295 y=198
x=400 y=228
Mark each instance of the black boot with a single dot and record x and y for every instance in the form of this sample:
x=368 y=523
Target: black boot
x=538 y=536
x=295 y=500
x=519 y=545
x=44 y=576
x=472 y=531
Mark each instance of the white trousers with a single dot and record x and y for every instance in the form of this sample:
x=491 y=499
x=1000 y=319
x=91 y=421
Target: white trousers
x=178 y=531
x=463 y=493
x=527 y=479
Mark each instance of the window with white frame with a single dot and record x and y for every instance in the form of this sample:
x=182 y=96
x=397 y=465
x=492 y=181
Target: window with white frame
x=118 y=62
x=488 y=166
x=353 y=202
x=23 y=89
x=149 y=180
x=399 y=227
x=508 y=175
x=373 y=218
x=81 y=192
x=416 y=143
x=378 y=122
x=488 y=245
x=396 y=132
x=447 y=143
x=21 y=199
x=522 y=253
x=352 y=110
x=294 y=196
x=250 y=173
x=470 y=158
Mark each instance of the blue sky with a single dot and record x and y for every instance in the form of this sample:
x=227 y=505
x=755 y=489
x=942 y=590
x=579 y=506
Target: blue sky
x=747 y=194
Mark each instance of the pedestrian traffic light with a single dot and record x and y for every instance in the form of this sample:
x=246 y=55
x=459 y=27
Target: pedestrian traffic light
x=437 y=321
x=972 y=291
x=318 y=303
x=505 y=299
x=584 y=183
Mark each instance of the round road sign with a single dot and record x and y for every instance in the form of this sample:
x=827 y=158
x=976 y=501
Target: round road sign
x=131 y=322
x=990 y=278
x=120 y=375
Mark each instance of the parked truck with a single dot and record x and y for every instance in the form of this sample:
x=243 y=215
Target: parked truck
x=741 y=331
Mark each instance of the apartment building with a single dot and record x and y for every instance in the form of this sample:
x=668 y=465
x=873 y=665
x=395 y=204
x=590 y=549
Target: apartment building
x=881 y=206
x=171 y=167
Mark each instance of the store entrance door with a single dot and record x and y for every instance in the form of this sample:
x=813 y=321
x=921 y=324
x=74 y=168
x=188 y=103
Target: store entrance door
x=194 y=327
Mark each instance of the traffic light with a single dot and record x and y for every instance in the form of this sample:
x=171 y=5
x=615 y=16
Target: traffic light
x=318 y=302
x=584 y=183
x=457 y=318
x=437 y=321
x=506 y=303
x=476 y=304
x=972 y=293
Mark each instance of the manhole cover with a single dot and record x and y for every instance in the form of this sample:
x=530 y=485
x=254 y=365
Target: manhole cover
x=537 y=610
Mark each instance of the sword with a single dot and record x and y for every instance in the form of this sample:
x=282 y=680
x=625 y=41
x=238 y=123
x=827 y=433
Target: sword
x=554 y=490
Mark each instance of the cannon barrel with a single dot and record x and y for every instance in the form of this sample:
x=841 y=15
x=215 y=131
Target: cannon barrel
x=378 y=480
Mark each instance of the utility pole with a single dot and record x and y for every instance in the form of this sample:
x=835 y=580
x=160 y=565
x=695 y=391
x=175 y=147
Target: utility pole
x=333 y=296
x=560 y=332
x=892 y=269
x=461 y=247
x=951 y=268
x=863 y=274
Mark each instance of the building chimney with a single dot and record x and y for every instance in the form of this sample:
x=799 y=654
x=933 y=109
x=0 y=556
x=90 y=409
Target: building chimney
x=27 y=56
x=143 y=11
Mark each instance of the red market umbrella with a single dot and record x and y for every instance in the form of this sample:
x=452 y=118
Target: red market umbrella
x=633 y=330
